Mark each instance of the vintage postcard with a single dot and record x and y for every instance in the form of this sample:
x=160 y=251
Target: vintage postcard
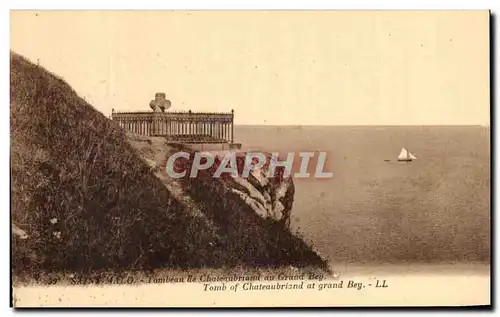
x=250 y=158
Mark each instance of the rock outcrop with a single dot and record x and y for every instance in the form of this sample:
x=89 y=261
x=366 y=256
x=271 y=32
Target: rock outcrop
x=269 y=197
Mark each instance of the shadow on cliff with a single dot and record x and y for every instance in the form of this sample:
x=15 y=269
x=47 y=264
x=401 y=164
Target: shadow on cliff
x=85 y=201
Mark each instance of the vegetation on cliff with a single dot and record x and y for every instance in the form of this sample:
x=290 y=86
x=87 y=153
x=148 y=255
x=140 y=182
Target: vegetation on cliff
x=86 y=200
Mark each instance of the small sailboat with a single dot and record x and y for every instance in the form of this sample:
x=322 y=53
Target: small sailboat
x=406 y=156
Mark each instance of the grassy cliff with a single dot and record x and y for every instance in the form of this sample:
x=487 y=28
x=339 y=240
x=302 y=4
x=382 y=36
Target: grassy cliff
x=87 y=201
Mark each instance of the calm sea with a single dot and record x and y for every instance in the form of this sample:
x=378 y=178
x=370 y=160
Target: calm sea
x=375 y=209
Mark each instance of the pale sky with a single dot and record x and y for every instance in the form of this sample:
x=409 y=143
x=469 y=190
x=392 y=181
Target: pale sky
x=277 y=68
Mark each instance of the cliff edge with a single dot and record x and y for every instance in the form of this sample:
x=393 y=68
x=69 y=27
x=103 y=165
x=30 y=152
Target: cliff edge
x=271 y=198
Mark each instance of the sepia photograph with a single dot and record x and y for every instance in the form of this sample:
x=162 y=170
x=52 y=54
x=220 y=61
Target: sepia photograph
x=250 y=158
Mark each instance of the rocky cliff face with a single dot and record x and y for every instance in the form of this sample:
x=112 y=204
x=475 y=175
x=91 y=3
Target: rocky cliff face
x=269 y=197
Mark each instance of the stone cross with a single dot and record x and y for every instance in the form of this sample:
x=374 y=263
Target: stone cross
x=160 y=103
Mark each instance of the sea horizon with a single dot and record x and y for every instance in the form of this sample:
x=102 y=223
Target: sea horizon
x=375 y=209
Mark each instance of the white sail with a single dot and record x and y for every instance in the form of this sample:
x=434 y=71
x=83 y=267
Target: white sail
x=403 y=155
